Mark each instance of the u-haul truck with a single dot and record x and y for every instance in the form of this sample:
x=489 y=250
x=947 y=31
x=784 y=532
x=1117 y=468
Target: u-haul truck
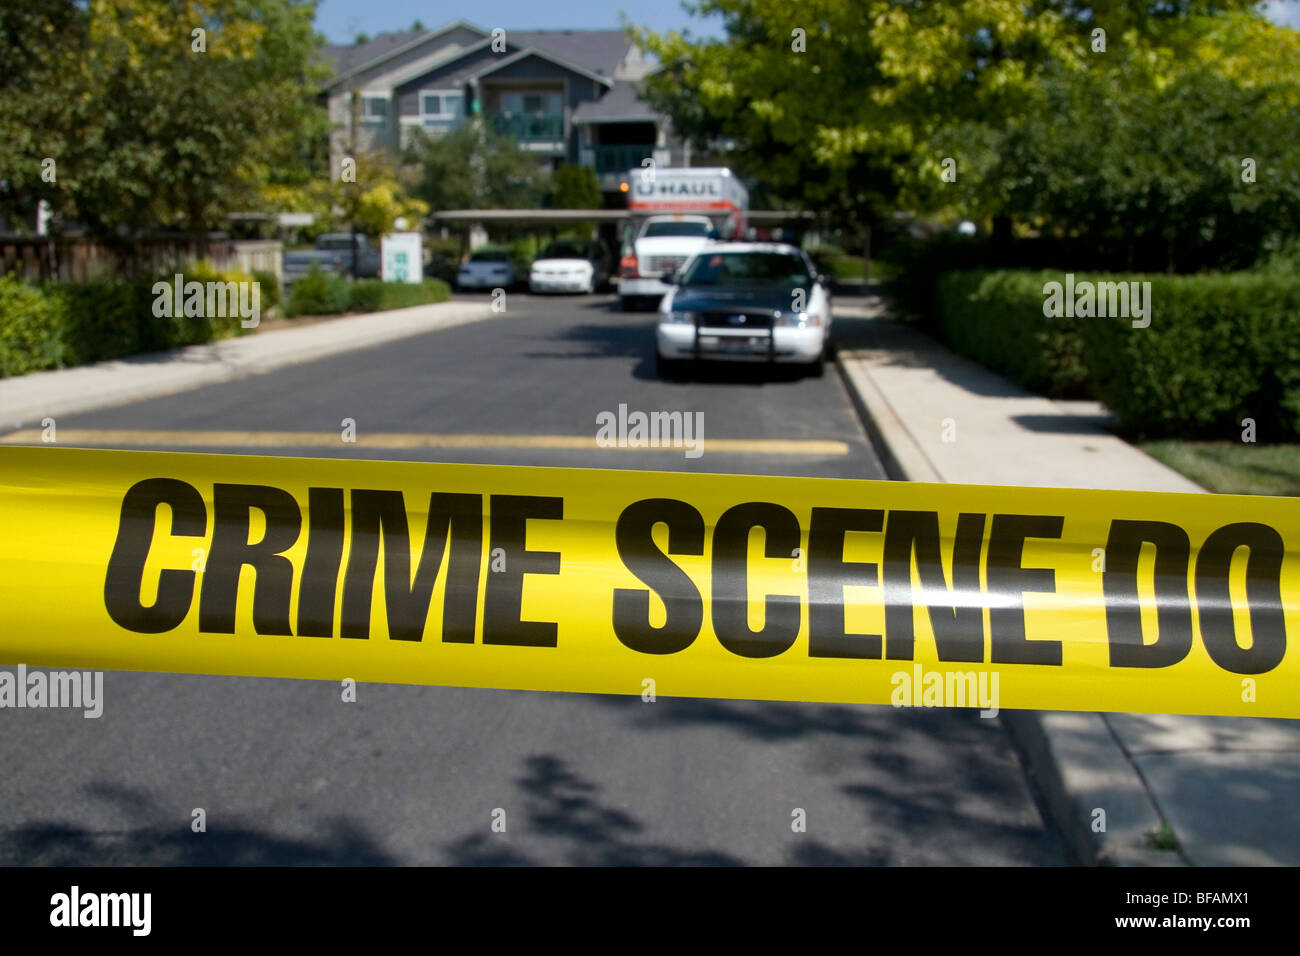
x=674 y=212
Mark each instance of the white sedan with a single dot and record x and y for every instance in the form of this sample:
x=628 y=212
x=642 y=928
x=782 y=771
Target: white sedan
x=569 y=266
x=487 y=269
x=745 y=301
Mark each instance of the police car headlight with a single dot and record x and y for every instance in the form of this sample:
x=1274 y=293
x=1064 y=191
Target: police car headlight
x=680 y=317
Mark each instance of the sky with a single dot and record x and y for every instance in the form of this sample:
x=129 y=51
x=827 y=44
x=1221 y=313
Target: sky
x=1287 y=13
x=341 y=20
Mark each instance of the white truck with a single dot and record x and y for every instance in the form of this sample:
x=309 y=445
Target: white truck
x=674 y=212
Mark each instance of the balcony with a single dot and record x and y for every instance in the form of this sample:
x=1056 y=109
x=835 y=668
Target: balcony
x=618 y=160
x=531 y=128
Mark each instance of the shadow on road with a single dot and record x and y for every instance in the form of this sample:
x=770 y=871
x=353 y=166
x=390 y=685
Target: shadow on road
x=940 y=779
x=630 y=336
x=562 y=806
x=340 y=842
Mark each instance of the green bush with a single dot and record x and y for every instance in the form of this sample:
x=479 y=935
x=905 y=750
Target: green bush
x=366 y=295
x=372 y=295
x=1220 y=349
x=318 y=293
x=107 y=320
x=191 y=330
x=62 y=324
x=31 y=329
x=996 y=318
x=269 y=287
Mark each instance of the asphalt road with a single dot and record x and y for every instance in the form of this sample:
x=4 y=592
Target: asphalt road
x=286 y=772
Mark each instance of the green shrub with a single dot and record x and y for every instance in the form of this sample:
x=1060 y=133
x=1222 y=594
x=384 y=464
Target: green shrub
x=31 y=329
x=1220 y=349
x=366 y=295
x=107 y=320
x=270 y=288
x=61 y=324
x=371 y=295
x=191 y=330
x=996 y=318
x=318 y=293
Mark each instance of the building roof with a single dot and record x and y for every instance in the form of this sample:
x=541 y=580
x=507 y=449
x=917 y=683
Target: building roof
x=502 y=62
x=593 y=51
x=596 y=51
x=345 y=58
x=622 y=104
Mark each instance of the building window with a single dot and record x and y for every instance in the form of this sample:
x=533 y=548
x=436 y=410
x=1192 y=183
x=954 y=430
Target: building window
x=374 y=109
x=441 y=104
x=551 y=104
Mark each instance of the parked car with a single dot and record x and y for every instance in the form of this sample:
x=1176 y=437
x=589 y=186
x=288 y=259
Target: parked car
x=570 y=265
x=333 y=253
x=745 y=301
x=487 y=269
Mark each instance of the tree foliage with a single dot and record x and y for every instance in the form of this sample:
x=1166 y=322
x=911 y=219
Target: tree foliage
x=166 y=113
x=851 y=107
x=575 y=187
x=377 y=199
x=474 y=167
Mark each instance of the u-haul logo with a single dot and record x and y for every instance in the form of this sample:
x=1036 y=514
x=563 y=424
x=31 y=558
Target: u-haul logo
x=668 y=188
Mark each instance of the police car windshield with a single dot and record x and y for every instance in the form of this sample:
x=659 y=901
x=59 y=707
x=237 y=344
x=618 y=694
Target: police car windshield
x=731 y=269
x=677 y=229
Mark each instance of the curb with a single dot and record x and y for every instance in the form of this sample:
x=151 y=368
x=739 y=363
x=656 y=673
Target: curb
x=1075 y=760
x=154 y=374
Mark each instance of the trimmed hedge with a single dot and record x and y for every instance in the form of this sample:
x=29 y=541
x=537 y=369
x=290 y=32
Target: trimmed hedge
x=996 y=318
x=372 y=295
x=1219 y=349
x=30 y=326
x=319 y=293
x=58 y=325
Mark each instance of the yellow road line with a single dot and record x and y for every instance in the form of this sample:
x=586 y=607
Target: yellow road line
x=136 y=438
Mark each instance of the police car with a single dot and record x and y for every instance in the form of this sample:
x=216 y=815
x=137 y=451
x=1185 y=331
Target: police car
x=746 y=302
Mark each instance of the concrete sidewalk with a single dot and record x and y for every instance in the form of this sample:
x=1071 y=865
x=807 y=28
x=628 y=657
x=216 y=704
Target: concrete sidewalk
x=26 y=399
x=1229 y=787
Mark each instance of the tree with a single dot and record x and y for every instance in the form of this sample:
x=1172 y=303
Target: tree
x=155 y=114
x=575 y=187
x=378 y=198
x=1194 y=172
x=474 y=168
x=860 y=107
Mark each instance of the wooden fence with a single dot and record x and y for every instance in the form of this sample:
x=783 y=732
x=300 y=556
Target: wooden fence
x=80 y=259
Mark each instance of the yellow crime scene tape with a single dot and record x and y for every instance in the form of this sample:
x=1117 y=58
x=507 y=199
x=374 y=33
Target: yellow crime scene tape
x=627 y=582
